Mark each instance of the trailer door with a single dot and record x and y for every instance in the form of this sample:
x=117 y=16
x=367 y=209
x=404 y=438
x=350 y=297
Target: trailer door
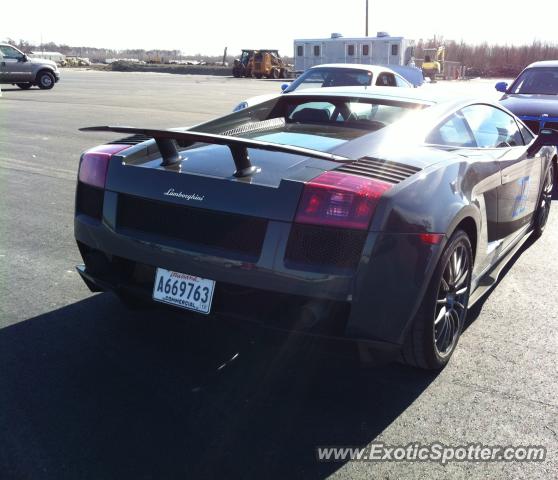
x=366 y=53
x=351 y=52
x=380 y=52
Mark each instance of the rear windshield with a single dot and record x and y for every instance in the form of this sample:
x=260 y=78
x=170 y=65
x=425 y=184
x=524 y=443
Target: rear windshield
x=345 y=113
x=309 y=121
x=541 y=81
x=332 y=77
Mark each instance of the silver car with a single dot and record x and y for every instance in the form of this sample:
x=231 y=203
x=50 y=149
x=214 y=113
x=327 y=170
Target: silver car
x=19 y=69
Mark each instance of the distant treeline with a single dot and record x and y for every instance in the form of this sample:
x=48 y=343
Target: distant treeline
x=492 y=60
x=482 y=59
x=101 y=54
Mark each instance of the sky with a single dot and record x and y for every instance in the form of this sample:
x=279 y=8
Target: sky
x=207 y=26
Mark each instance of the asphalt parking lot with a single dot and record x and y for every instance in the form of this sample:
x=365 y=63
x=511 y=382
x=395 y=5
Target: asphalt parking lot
x=89 y=389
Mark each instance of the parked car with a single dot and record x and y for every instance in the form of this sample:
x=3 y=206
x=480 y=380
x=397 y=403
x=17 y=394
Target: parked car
x=336 y=75
x=533 y=95
x=385 y=213
x=19 y=69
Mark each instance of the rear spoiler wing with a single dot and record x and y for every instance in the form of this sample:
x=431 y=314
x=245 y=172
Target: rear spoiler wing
x=166 y=142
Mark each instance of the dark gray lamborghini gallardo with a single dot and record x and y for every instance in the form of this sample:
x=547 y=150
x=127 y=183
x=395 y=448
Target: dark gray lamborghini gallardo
x=358 y=214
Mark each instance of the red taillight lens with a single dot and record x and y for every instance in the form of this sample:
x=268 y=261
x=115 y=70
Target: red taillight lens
x=94 y=164
x=431 y=238
x=341 y=200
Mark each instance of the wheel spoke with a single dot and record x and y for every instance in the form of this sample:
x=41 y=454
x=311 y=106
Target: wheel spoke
x=445 y=285
x=460 y=305
x=443 y=311
x=461 y=280
x=454 y=267
x=442 y=334
x=447 y=335
x=461 y=291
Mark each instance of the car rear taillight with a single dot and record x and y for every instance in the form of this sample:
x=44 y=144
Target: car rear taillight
x=94 y=164
x=340 y=200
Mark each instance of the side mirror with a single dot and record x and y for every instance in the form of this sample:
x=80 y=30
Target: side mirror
x=547 y=138
x=284 y=86
x=23 y=58
x=502 y=87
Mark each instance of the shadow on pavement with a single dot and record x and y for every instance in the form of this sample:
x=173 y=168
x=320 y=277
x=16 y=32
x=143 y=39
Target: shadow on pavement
x=93 y=390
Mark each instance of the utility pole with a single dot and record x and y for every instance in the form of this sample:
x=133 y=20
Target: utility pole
x=366 y=29
x=225 y=57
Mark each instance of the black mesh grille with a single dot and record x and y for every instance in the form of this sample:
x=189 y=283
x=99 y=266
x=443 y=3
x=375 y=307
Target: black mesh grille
x=133 y=140
x=89 y=200
x=262 y=126
x=533 y=125
x=391 y=172
x=200 y=228
x=324 y=246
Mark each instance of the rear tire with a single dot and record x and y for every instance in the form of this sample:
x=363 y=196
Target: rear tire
x=545 y=202
x=439 y=321
x=24 y=86
x=45 y=80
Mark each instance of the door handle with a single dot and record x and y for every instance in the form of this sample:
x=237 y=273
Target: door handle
x=3 y=64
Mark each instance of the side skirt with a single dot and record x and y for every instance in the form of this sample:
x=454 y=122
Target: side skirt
x=489 y=279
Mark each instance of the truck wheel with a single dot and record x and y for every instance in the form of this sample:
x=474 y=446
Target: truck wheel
x=45 y=80
x=274 y=74
x=257 y=75
x=24 y=86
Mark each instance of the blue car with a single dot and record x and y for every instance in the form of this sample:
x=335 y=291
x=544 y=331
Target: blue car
x=533 y=96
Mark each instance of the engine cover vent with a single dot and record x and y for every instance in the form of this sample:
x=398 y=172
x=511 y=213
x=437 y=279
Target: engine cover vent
x=391 y=172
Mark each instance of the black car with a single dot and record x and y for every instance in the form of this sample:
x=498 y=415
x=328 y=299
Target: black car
x=533 y=95
x=387 y=215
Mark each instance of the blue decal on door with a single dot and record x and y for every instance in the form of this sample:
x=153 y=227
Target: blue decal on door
x=521 y=200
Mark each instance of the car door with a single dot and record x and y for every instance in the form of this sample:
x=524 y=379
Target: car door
x=15 y=68
x=497 y=131
x=483 y=176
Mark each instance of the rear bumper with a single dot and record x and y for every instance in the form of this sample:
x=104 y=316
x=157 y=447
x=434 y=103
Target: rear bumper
x=373 y=304
x=266 y=273
x=289 y=315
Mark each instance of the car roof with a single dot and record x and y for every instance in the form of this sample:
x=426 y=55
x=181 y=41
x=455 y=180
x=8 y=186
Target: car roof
x=414 y=95
x=356 y=66
x=544 y=64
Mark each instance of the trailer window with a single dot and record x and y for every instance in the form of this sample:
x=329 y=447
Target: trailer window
x=316 y=50
x=365 y=50
x=395 y=49
x=351 y=50
x=300 y=51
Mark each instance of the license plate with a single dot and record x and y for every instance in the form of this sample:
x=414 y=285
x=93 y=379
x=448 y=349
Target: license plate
x=183 y=290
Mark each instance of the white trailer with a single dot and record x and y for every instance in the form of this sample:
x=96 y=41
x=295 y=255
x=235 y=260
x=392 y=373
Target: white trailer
x=380 y=50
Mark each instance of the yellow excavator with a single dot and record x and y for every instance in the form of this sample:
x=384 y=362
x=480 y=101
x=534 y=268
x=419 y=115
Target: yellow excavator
x=433 y=63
